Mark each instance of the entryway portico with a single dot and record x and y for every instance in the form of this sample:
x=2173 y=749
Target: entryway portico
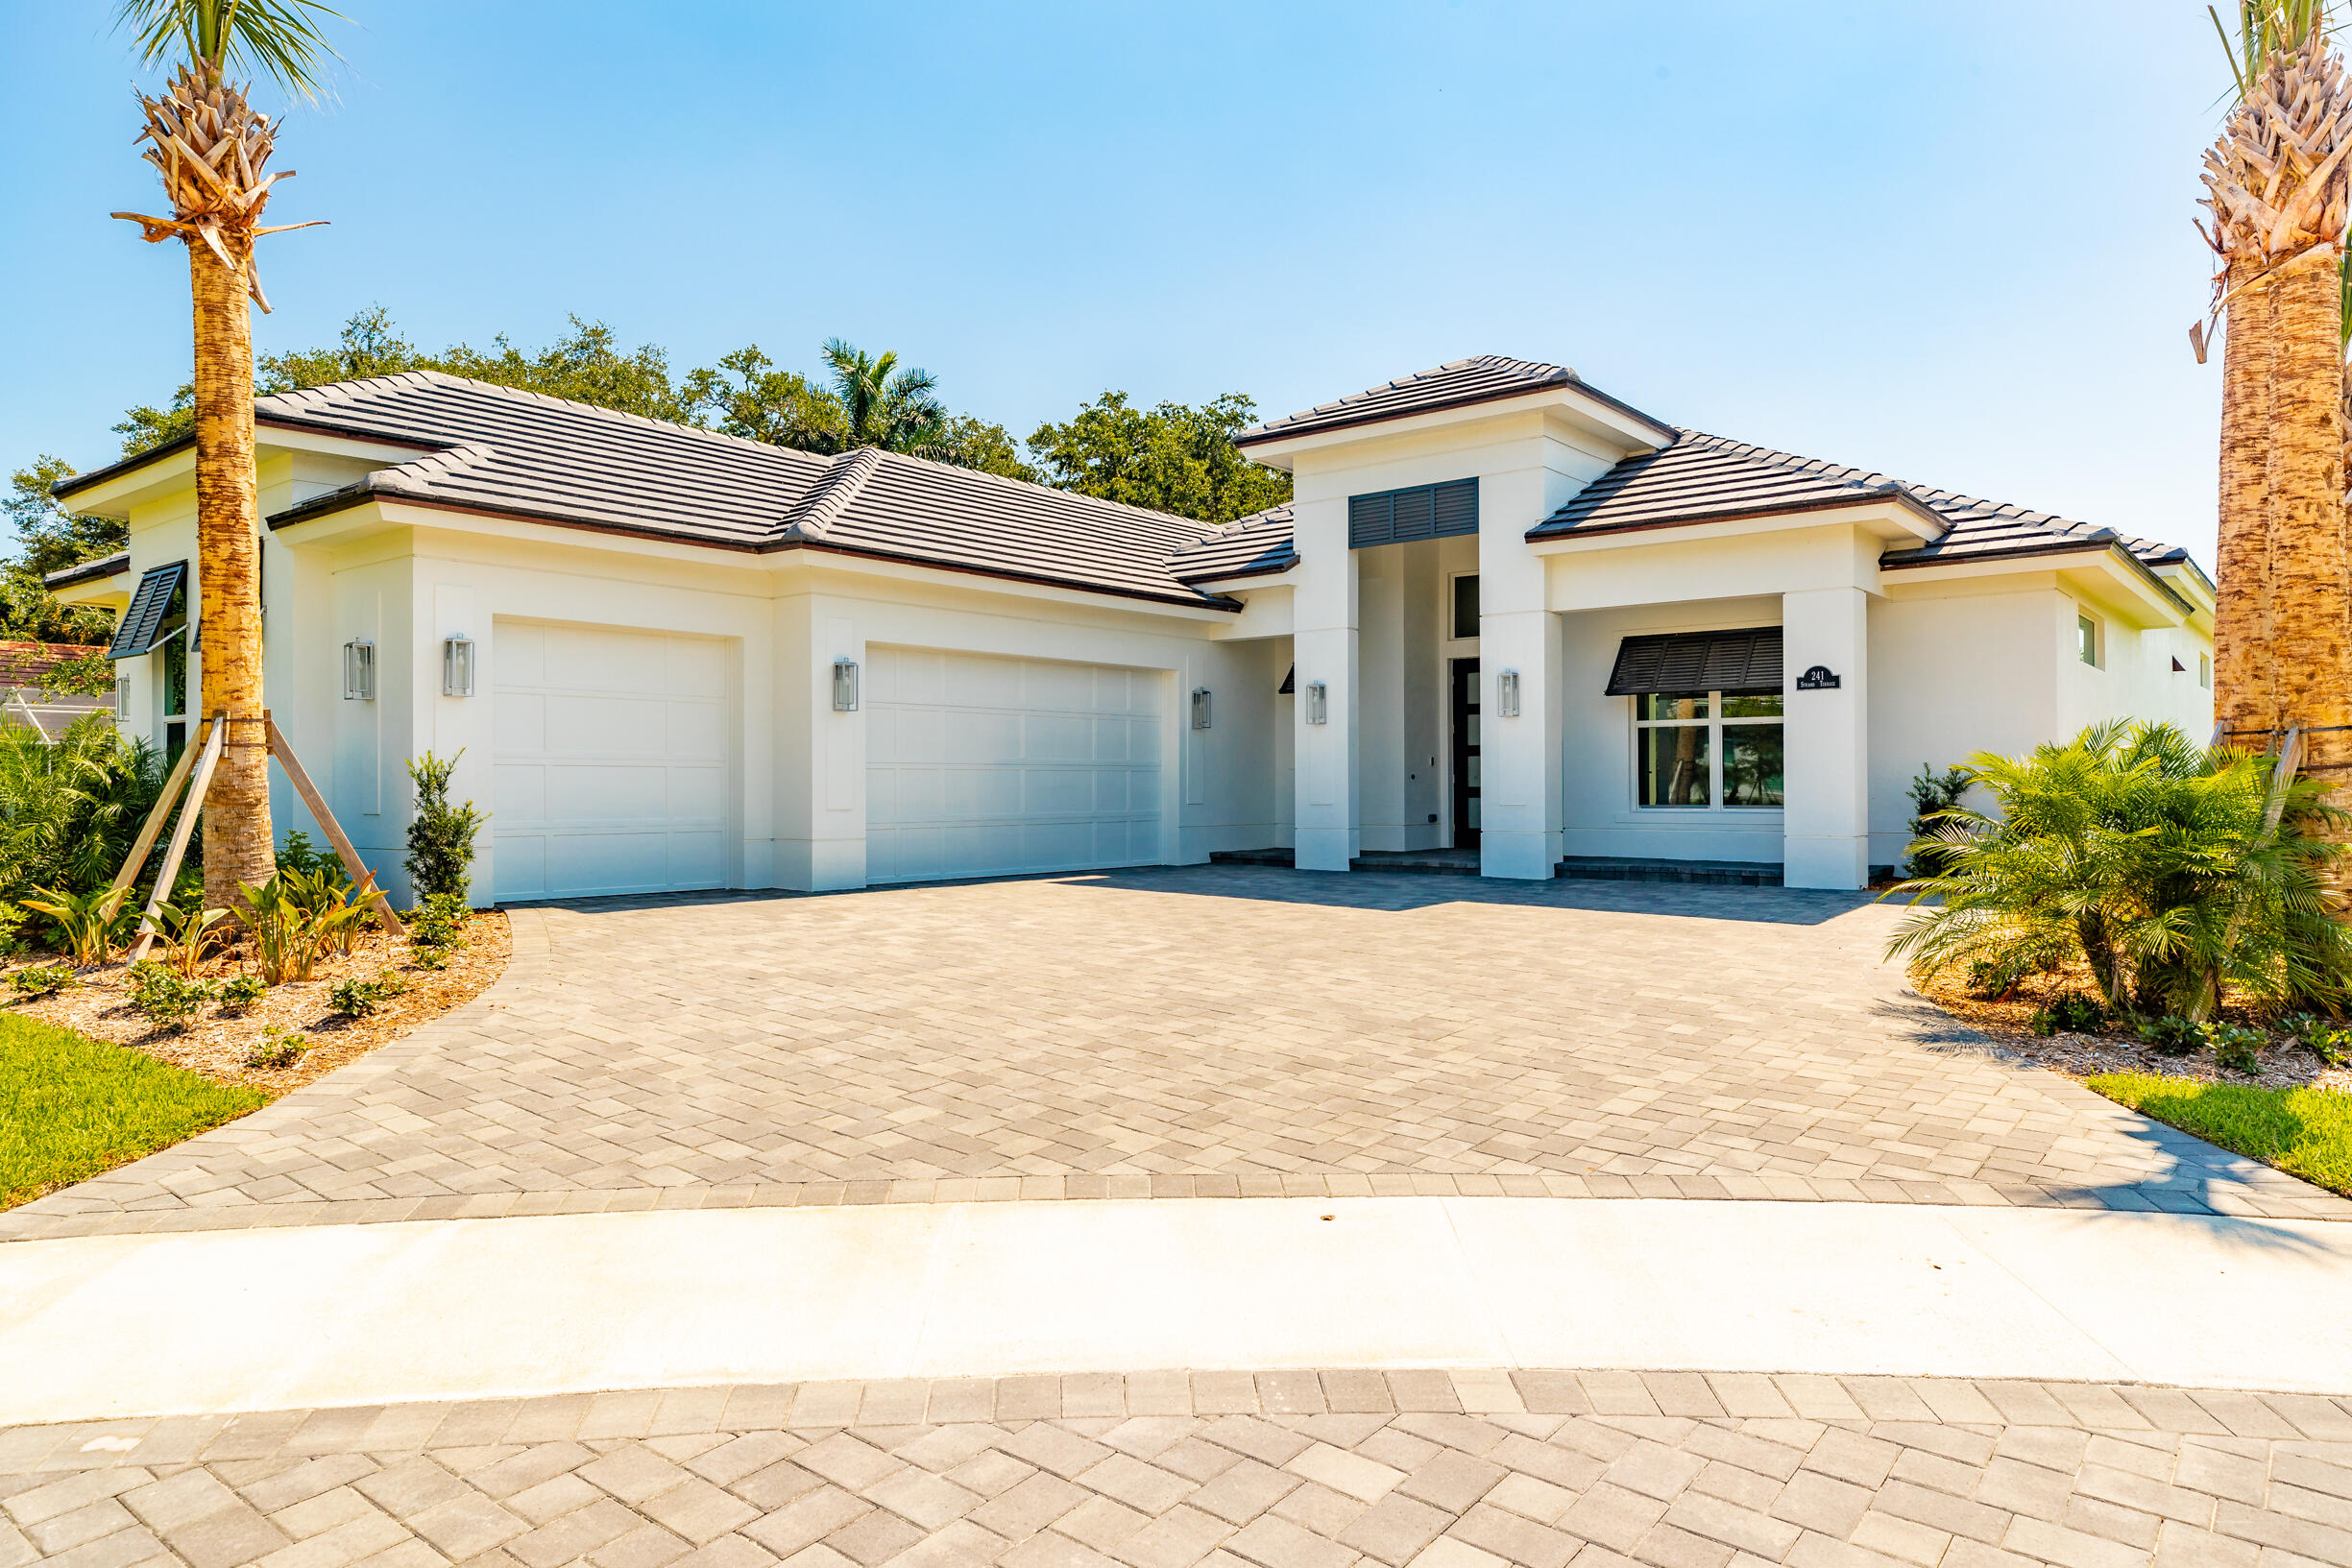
x=1443 y=543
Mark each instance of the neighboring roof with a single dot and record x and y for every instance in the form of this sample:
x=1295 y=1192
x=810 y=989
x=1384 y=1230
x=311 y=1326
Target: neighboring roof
x=1250 y=546
x=29 y=664
x=520 y=454
x=88 y=571
x=1703 y=478
x=1483 y=378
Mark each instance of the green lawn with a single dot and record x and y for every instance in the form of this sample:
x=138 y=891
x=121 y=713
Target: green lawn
x=2307 y=1132
x=71 y=1106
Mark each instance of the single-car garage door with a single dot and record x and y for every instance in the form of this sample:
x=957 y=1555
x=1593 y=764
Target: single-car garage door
x=977 y=766
x=611 y=770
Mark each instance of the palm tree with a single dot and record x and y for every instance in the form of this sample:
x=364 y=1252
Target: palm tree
x=213 y=151
x=898 y=412
x=2276 y=183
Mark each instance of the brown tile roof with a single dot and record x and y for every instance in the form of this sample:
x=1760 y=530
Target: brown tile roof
x=1702 y=478
x=1250 y=546
x=1482 y=378
x=522 y=454
x=29 y=664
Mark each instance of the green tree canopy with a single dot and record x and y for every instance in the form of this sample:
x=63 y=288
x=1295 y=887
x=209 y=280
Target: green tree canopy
x=1172 y=458
x=50 y=538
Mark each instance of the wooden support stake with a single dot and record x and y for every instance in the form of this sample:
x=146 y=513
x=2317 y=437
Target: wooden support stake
x=361 y=877
x=153 y=827
x=170 y=871
x=2290 y=760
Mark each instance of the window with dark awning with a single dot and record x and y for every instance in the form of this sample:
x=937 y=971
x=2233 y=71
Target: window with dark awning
x=1748 y=660
x=161 y=594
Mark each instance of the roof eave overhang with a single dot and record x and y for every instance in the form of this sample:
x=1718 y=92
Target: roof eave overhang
x=1893 y=515
x=1621 y=423
x=112 y=491
x=2105 y=571
x=342 y=516
x=1242 y=582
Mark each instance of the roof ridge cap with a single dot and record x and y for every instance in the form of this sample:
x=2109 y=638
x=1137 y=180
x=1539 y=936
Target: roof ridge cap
x=844 y=478
x=1035 y=486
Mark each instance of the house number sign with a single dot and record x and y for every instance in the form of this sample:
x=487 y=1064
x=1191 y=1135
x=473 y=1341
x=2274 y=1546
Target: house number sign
x=1819 y=678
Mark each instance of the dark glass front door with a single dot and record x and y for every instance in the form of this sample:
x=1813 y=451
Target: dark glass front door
x=1465 y=753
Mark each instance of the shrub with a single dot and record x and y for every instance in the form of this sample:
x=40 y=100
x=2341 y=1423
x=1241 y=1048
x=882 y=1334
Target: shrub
x=89 y=925
x=355 y=997
x=439 y=922
x=240 y=991
x=2173 y=1036
x=168 y=998
x=2068 y=1014
x=2234 y=1045
x=277 y=1049
x=1998 y=974
x=328 y=901
x=440 y=834
x=70 y=807
x=301 y=854
x=34 y=982
x=1933 y=796
x=2323 y=1038
x=287 y=933
x=185 y=929
x=2169 y=871
x=424 y=957
x=12 y=924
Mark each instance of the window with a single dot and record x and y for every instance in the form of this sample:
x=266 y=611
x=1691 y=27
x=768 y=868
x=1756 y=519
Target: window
x=2204 y=670
x=1693 y=749
x=2086 y=640
x=1465 y=605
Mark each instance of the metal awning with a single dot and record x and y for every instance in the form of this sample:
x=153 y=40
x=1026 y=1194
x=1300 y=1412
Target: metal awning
x=1290 y=683
x=1747 y=660
x=162 y=590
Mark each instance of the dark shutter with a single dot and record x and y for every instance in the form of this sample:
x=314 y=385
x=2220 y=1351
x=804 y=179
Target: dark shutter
x=160 y=594
x=1290 y=683
x=1743 y=661
x=1391 y=516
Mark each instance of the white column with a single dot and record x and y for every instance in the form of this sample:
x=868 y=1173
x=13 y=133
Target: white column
x=1330 y=812
x=1520 y=756
x=1826 y=822
x=1382 y=645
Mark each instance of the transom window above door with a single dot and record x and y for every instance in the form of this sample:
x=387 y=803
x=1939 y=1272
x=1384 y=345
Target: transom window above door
x=1708 y=751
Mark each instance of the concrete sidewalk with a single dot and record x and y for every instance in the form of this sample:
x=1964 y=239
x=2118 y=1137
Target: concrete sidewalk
x=118 y=1326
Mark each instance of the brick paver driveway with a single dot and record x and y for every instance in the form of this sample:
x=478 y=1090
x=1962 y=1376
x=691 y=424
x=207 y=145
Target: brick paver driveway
x=1196 y=1032
x=1344 y=1469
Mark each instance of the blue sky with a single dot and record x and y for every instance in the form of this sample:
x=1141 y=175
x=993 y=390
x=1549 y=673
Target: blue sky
x=1950 y=242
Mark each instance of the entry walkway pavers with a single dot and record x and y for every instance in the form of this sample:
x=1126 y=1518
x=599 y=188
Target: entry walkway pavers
x=1295 y=1469
x=1206 y=1031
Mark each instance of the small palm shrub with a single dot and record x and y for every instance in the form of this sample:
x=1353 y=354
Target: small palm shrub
x=2170 y=872
x=285 y=930
x=166 y=996
x=186 y=928
x=441 y=833
x=89 y=925
x=70 y=807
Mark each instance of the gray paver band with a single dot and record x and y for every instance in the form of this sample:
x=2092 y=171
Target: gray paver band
x=1299 y=1469
x=1194 y=1032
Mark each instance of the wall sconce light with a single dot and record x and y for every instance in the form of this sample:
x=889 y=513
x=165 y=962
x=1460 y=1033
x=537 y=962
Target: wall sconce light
x=844 y=686
x=1319 y=706
x=122 y=699
x=1507 y=694
x=359 y=671
x=1200 y=708
x=457 y=667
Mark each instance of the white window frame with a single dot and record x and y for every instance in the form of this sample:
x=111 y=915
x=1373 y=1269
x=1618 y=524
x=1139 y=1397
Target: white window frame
x=1714 y=724
x=2084 y=622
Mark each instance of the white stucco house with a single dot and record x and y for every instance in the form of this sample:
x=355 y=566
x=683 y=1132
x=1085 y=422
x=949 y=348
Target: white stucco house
x=1505 y=612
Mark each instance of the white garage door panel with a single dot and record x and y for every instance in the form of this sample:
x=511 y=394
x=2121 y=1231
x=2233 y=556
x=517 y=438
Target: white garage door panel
x=977 y=766
x=612 y=761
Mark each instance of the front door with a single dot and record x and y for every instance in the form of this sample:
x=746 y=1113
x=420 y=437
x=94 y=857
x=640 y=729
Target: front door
x=1465 y=753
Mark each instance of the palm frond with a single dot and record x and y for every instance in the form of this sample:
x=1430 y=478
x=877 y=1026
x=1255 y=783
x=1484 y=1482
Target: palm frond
x=282 y=39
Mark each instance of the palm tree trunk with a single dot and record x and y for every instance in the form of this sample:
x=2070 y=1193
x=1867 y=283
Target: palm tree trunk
x=2245 y=701
x=2311 y=588
x=238 y=844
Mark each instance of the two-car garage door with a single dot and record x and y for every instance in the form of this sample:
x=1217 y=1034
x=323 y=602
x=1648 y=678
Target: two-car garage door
x=978 y=766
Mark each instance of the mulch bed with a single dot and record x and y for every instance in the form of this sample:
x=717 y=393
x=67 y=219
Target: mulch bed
x=2285 y=1065
x=216 y=1043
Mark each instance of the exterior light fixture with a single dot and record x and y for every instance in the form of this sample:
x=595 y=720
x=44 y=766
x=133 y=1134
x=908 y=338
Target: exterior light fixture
x=1318 y=704
x=122 y=699
x=457 y=667
x=1200 y=708
x=359 y=671
x=1507 y=694
x=845 y=685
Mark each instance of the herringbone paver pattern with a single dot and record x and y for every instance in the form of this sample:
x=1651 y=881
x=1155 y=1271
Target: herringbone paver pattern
x=1212 y=1031
x=1355 y=1469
